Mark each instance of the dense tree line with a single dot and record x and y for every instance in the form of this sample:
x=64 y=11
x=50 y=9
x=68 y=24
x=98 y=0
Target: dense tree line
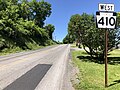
x=22 y=23
x=82 y=29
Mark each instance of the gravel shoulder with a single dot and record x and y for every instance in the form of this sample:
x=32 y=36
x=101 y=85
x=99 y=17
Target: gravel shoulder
x=71 y=72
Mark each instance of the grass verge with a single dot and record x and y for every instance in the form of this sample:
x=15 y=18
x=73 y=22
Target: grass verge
x=17 y=50
x=32 y=46
x=91 y=74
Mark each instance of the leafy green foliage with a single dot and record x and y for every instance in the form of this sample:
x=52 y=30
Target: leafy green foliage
x=50 y=29
x=83 y=30
x=21 y=24
x=39 y=12
x=91 y=74
x=66 y=39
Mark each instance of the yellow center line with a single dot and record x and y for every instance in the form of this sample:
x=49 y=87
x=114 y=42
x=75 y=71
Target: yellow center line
x=23 y=60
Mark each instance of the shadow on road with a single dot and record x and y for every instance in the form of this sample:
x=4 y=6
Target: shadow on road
x=31 y=79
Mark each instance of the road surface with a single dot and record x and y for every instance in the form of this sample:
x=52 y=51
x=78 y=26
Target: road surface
x=41 y=69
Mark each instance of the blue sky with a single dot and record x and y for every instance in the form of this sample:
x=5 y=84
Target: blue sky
x=62 y=10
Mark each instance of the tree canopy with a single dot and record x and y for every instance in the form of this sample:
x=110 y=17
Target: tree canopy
x=22 y=23
x=50 y=29
x=83 y=30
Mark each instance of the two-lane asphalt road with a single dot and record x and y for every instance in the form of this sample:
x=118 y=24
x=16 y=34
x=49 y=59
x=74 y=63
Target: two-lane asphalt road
x=42 y=69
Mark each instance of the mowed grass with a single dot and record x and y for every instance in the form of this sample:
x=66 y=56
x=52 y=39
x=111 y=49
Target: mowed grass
x=91 y=74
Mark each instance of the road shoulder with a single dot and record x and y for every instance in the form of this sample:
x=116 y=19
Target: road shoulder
x=70 y=77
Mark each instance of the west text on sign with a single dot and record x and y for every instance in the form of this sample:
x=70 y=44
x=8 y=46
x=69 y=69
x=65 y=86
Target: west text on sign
x=106 y=7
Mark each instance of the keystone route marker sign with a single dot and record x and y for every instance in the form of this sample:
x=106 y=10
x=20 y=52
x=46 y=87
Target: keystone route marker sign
x=106 y=18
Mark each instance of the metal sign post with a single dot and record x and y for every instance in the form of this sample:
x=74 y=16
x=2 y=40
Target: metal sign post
x=106 y=18
x=106 y=61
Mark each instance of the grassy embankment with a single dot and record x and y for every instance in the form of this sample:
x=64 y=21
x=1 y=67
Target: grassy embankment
x=32 y=46
x=91 y=74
